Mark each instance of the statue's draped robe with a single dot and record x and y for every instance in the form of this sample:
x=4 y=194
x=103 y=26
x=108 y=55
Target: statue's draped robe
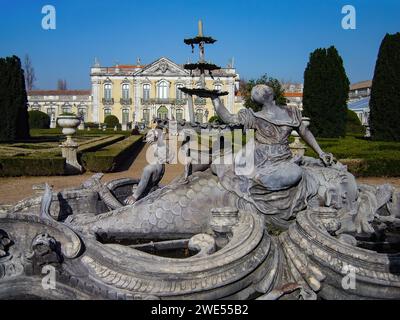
x=272 y=157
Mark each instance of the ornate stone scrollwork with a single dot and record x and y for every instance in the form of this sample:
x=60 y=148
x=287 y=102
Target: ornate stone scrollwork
x=5 y=243
x=45 y=251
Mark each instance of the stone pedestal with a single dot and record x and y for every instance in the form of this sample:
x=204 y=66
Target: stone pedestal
x=297 y=147
x=222 y=221
x=124 y=127
x=69 y=150
x=81 y=126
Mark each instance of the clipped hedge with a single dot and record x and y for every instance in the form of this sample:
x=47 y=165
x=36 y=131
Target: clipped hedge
x=38 y=120
x=31 y=166
x=363 y=157
x=92 y=146
x=110 y=158
x=384 y=167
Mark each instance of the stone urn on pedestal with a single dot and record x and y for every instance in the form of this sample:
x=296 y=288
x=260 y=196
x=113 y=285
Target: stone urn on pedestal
x=297 y=147
x=69 y=124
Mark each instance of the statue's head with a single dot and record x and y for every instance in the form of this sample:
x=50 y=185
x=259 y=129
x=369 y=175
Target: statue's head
x=262 y=94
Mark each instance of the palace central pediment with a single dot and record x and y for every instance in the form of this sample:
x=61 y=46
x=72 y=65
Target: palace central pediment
x=162 y=67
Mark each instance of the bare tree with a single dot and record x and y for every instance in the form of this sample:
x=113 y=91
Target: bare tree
x=30 y=77
x=62 y=84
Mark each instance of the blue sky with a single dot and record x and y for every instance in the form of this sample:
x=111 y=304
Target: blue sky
x=273 y=37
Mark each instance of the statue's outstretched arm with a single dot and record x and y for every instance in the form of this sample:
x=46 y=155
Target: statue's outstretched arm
x=223 y=112
x=309 y=138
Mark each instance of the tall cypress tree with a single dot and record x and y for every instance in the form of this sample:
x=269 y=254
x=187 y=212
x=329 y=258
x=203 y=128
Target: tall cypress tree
x=13 y=101
x=385 y=94
x=326 y=90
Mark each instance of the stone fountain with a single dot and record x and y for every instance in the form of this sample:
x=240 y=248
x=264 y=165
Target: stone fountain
x=202 y=66
x=294 y=228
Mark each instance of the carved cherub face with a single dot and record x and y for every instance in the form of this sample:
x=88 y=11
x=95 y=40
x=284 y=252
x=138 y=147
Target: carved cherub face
x=262 y=94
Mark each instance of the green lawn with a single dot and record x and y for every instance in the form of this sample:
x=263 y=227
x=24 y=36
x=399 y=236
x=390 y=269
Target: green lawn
x=364 y=157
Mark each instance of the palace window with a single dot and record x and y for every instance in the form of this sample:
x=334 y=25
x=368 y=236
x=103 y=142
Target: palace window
x=179 y=94
x=66 y=108
x=36 y=106
x=51 y=111
x=107 y=91
x=125 y=116
x=107 y=112
x=199 y=115
x=146 y=116
x=146 y=92
x=179 y=114
x=125 y=91
x=162 y=89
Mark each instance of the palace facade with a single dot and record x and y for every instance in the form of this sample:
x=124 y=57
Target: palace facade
x=56 y=102
x=137 y=93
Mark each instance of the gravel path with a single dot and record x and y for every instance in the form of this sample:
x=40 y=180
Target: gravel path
x=13 y=189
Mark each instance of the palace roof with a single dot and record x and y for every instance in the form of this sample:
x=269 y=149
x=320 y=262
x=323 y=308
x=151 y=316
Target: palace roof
x=59 y=93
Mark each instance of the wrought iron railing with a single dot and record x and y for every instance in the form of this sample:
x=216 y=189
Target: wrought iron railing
x=125 y=101
x=108 y=101
x=164 y=101
x=200 y=101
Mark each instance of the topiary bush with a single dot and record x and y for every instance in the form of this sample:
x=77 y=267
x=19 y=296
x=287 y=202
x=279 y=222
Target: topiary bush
x=353 y=124
x=13 y=101
x=38 y=120
x=326 y=91
x=385 y=91
x=215 y=119
x=111 y=121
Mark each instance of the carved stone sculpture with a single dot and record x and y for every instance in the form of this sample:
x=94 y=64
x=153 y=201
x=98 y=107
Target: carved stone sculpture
x=287 y=227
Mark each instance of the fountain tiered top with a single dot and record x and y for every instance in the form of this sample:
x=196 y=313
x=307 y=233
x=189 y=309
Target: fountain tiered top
x=201 y=65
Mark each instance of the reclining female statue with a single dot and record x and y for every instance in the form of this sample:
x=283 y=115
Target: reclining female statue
x=274 y=168
x=278 y=184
